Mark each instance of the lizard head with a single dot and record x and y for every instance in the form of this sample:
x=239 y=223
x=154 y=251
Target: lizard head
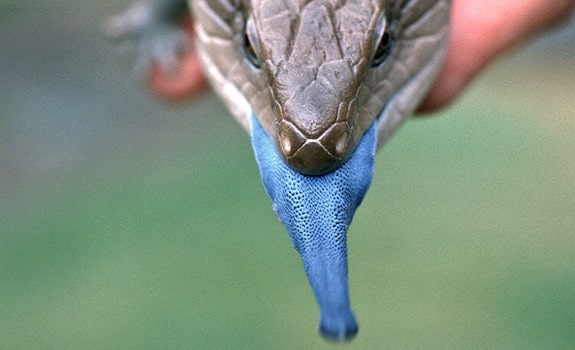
x=317 y=74
x=316 y=56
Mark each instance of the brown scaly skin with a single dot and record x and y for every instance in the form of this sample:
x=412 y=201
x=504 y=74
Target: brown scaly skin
x=314 y=85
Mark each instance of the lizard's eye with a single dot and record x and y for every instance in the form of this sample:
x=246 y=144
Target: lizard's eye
x=251 y=45
x=382 y=48
x=382 y=41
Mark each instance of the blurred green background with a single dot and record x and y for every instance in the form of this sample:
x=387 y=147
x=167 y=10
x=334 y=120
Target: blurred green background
x=130 y=224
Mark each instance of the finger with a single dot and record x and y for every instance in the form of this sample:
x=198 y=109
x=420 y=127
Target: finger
x=484 y=30
x=186 y=81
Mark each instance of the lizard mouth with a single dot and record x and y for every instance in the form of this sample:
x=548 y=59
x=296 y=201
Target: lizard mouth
x=314 y=156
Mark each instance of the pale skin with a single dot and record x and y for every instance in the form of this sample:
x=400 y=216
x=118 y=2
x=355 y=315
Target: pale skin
x=481 y=31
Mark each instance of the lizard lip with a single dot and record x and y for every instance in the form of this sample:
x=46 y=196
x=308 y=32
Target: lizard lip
x=314 y=156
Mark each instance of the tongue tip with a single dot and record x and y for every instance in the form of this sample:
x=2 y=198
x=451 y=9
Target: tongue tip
x=339 y=330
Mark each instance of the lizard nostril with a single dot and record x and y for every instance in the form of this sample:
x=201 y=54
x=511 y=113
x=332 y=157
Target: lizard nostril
x=341 y=145
x=290 y=139
x=285 y=144
x=336 y=140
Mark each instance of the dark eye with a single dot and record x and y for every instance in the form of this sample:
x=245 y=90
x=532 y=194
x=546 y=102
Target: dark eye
x=250 y=45
x=382 y=48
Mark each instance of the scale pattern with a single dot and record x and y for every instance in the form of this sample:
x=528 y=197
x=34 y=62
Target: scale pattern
x=317 y=211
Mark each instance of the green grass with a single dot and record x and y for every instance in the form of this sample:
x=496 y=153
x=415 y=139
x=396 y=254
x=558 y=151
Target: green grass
x=465 y=240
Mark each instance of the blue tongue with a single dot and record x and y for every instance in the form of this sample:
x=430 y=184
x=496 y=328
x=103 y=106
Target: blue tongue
x=317 y=211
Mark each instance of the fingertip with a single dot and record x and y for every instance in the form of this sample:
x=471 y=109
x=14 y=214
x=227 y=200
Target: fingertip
x=186 y=81
x=443 y=91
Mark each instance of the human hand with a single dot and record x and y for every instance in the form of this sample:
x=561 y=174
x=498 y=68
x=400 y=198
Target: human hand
x=481 y=31
x=188 y=80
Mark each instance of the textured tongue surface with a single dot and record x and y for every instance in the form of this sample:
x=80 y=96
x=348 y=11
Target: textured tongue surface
x=317 y=211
